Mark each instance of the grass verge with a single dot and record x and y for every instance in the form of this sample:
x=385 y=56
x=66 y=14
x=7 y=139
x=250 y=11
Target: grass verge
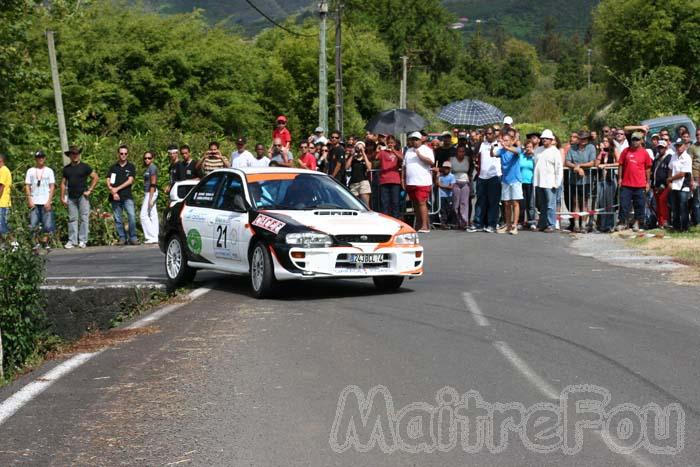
x=684 y=247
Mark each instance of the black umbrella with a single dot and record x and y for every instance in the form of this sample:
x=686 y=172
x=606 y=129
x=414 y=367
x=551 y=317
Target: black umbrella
x=471 y=112
x=395 y=122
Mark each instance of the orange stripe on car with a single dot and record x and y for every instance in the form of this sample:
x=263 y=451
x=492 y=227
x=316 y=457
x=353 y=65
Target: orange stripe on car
x=270 y=176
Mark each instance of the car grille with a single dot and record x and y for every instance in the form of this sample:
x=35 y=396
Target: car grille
x=363 y=238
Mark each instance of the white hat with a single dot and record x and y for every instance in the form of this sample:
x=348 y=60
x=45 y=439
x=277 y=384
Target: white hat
x=508 y=120
x=547 y=134
x=662 y=142
x=318 y=129
x=415 y=134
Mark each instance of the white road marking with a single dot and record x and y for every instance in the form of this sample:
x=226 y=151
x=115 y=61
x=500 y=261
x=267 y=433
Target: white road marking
x=120 y=278
x=156 y=315
x=474 y=309
x=25 y=395
x=19 y=399
x=521 y=365
x=550 y=392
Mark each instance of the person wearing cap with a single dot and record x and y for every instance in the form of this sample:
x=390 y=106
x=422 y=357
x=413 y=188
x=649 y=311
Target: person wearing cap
x=635 y=175
x=39 y=186
x=120 y=178
x=75 y=194
x=681 y=183
x=507 y=124
x=241 y=157
x=418 y=178
x=5 y=199
x=282 y=132
x=547 y=178
x=446 y=182
x=660 y=172
x=488 y=186
x=318 y=134
x=579 y=159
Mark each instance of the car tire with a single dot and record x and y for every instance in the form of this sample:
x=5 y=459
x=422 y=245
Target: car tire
x=176 y=268
x=388 y=283
x=262 y=274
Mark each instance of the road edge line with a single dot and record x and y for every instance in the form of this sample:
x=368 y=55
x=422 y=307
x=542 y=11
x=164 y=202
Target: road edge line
x=474 y=309
x=29 y=391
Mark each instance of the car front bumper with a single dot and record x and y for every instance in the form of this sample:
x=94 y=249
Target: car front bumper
x=311 y=263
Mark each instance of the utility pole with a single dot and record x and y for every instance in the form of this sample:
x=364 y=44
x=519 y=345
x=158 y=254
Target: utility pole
x=338 y=71
x=63 y=136
x=323 y=70
x=589 y=67
x=404 y=91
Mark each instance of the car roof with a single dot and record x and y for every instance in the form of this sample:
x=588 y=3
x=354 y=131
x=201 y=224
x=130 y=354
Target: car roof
x=667 y=120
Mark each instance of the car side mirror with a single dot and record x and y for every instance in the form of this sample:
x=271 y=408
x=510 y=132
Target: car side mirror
x=239 y=203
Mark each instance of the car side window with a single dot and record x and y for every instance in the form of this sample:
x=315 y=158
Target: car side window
x=231 y=196
x=204 y=194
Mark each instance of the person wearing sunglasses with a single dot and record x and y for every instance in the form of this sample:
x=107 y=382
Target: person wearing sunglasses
x=280 y=156
x=282 y=132
x=39 y=186
x=149 y=211
x=120 y=177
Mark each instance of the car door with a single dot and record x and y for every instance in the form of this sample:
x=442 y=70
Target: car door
x=229 y=224
x=198 y=217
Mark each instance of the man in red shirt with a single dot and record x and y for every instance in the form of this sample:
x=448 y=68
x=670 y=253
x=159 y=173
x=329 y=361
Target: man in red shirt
x=282 y=132
x=307 y=159
x=635 y=173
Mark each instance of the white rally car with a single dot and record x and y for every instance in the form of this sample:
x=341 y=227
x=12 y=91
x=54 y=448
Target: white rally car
x=281 y=224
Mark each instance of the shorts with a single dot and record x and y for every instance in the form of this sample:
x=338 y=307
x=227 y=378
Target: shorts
x=361 y=188
x=4 y=228
x=419 y=193
x=511 y=191
x=40 y=216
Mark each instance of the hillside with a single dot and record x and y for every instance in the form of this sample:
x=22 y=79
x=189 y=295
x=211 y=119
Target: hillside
x=521 y=18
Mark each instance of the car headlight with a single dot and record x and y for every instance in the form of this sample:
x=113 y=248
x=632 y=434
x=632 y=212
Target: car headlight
x=309 y=240
x=407 y=239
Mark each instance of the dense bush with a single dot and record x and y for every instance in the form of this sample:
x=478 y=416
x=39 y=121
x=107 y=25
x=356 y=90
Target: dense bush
x=22 y=321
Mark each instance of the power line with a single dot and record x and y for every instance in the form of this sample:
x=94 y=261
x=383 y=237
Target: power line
x=252 y=5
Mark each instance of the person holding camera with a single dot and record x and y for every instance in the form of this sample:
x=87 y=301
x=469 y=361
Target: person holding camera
x=212 y=160
x=359 y=166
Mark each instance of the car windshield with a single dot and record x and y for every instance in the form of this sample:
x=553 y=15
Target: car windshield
x=299 y=191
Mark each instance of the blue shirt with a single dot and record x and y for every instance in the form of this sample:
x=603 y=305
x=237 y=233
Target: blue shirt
x=510 y=164
x=448 y=179
x=527 y=168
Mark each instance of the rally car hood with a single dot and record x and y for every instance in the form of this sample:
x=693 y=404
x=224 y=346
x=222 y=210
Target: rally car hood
x=337 y=222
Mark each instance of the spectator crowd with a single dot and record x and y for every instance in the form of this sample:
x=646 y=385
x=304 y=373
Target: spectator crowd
x=490 y=179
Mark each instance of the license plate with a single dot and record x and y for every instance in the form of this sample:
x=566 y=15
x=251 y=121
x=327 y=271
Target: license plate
x=375 y=258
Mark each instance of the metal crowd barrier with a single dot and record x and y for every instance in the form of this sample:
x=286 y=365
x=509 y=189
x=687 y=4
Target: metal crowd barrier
x=592 y=198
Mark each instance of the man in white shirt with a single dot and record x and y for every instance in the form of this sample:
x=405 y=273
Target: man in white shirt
x=241 y=157
x=488 y=187
x=547 y=178
x=681 y=183
x=418 y=178
x=260 y=159
x=40 y=184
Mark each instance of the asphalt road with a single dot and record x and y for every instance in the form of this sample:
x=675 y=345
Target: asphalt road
x=228 y=380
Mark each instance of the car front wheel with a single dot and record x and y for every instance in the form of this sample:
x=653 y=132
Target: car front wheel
x=176 y=268
x=388 y=283
x=262 y=276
